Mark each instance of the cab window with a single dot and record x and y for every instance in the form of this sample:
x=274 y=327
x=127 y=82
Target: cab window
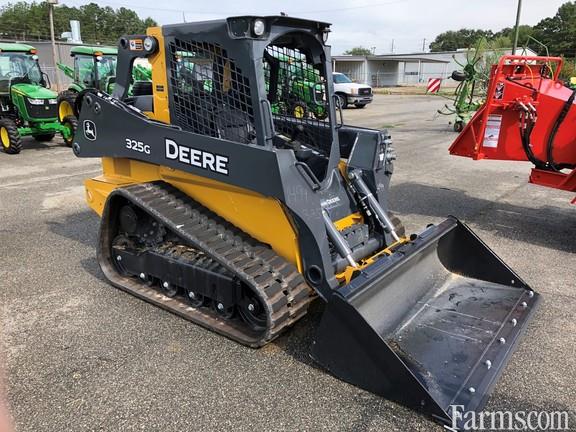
x=84 y=70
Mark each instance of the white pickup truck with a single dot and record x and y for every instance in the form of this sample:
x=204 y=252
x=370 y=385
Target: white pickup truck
x=350 y=92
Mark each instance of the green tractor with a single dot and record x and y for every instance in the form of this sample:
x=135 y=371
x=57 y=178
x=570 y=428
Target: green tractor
x=141 y=72
x=94 y=67
x=301 y=82
x=28 y=106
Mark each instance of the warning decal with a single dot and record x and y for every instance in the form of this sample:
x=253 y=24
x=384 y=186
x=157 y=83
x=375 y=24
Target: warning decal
x=136 y=45
x=492 y=132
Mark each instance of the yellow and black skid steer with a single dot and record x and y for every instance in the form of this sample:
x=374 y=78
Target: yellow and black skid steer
x=219 y=205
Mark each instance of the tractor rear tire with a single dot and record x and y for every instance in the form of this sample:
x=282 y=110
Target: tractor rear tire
x=67 y=104
x=459 y=76
x=10 y=137
x=71 y=122
x=44 y=137
x=299 y=110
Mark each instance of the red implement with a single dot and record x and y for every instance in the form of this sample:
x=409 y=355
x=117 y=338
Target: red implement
x=528 y=115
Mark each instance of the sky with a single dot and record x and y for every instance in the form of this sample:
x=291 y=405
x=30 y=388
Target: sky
x=380 y=25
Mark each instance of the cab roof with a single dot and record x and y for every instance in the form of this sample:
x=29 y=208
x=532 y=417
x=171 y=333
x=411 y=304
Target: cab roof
x=15 y=47
x=282 y=20
x=92 y=50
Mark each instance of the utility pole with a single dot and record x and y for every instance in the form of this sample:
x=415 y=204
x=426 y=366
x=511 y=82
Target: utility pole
x=51 y=4
x=517 y=28
x=392 y=46
x=424 y=45
x=183 y=16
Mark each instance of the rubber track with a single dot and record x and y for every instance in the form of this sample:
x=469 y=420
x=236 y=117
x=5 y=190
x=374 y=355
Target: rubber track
x=276 y=282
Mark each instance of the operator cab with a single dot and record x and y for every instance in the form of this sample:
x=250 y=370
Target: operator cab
x=95 y=67
x=19 y=64
x=214 y=96
x=272 y=88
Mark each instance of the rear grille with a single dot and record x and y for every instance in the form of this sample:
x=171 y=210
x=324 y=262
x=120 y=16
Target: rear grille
x=365 y=91
x=45 y=111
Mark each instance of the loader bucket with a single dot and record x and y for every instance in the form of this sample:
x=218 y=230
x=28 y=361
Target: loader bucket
x=432 y=326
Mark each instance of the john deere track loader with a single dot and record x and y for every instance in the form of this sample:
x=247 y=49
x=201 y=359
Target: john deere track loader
x=236 y=218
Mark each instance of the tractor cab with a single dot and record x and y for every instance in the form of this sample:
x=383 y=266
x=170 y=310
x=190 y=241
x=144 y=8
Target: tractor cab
x=19 y=65
x=94 y=67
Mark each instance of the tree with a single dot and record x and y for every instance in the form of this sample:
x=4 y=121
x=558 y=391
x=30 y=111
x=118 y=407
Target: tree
x=524 y=33
x=99 y=25
x=358 y=51
x=463 y=38
x=501 y=42
x=558 y=33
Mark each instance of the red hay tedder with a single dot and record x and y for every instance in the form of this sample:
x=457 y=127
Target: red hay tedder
x=528 y=115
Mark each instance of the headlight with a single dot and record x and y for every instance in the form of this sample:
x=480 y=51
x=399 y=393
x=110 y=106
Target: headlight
x=259 y=27
x=354 y=91
x=52 y=101
x=36 y=101
x=150 y=44
x=325 y=35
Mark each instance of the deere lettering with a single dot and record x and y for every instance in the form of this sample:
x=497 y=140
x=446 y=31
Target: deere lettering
x=198 y=158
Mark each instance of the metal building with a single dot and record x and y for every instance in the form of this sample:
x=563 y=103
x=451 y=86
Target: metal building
x=390 y=70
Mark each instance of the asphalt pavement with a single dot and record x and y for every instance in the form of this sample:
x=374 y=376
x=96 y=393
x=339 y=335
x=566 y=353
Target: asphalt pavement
x=80 y=355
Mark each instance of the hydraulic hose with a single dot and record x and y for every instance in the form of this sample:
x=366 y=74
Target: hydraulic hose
x=525 y=134
x=550 y=144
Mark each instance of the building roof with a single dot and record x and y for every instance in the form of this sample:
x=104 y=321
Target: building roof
x=349 y=57
x=15 y=47
x=529 y=52
x=92 y=50
x=393 y=57
x=431 y=57
x=409 y=58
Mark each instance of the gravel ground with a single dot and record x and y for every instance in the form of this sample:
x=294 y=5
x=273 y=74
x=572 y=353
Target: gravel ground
x=80 y=355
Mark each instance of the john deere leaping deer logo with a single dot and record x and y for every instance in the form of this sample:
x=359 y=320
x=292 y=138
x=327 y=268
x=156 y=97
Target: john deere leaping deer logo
x=89 y=130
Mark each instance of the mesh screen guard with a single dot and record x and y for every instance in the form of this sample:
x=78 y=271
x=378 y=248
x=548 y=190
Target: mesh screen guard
x=212 y=96
x=297 y=91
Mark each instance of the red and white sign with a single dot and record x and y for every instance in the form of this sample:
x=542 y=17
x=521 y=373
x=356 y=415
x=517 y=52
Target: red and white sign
x=433 y=85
